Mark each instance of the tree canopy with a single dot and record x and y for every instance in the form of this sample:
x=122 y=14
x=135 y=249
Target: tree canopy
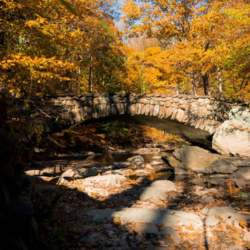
x=202 y=46
x=46 y=48
x=168 y=46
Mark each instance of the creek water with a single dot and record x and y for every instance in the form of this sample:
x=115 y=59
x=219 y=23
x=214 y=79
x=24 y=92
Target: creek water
x=109 y=158
x=195 y=136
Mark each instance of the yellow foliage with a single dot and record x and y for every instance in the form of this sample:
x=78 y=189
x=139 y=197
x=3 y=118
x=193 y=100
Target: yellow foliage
x=196 y=39
x=47 y=49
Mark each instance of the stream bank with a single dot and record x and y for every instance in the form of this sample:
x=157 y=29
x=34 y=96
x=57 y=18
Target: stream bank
x=137 y=201
x=135 y=204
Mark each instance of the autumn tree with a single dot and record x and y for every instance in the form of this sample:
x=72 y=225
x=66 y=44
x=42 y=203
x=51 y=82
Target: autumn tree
x=204 y=44
x=45 y=48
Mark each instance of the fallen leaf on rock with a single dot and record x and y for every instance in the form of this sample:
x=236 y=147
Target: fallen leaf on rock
x=218 y=218
x=220 y=227
x=235 y=236
x=240 y=242
x=191 y=228
x=117 y=220
x=168 y=238
x=231 y=227
x=243 y=224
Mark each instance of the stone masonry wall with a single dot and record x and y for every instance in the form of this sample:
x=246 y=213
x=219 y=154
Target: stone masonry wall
x=201 y=112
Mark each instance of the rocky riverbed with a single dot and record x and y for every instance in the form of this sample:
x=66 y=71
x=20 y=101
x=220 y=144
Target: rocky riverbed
x=188 y=199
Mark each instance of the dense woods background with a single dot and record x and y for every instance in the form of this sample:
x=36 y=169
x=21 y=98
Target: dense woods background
x=167 y=46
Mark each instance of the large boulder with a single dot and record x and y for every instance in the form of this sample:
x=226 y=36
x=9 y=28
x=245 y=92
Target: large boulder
x=233 y=136
x=199 y=160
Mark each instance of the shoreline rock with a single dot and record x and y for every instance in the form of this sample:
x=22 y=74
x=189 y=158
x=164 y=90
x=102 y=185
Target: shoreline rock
x=233 y=136
x=198 y=160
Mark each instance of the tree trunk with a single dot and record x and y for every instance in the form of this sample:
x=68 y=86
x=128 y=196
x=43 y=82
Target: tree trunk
x=193 y=84
x=31 y=84
x=220 y=81
x=90 y=80
x=177 y=88
x=205 y=80
x=91 y=75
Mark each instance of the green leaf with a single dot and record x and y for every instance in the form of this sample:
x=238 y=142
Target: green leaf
x=20 y=40
x=68 y=7
x=106 y=26
x=57 y=118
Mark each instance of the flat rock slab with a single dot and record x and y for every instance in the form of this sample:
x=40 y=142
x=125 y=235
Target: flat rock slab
x=158 y=189
x=200 y=191
x=164 y=185
x=196 y=159
x=225 y=223
x=159 y=217
x=201 y=161
x=105 y=180
x=151 y=192
x=173 y=162
x=243 y=172
x=102 y=215
x=85 y=172
x=226 y=214
x=159 y=222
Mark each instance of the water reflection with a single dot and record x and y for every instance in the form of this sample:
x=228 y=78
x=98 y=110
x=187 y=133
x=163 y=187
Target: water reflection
x=110 y=158
x=195 y=136
x=189 y=133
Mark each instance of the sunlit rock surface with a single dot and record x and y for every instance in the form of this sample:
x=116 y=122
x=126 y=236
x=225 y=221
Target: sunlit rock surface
x=233 y=136
x=199 y=160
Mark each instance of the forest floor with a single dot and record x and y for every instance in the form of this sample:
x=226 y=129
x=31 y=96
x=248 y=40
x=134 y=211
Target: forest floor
x=134 y=204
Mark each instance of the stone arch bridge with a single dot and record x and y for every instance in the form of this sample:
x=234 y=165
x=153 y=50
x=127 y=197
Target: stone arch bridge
x=201 y=112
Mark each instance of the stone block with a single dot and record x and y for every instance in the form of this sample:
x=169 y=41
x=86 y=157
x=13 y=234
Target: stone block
x=160 y=115
x=156 y=110
x=144 y=101
x=202 y=111
x=180 y=115
x=152 y=107
x=194 y=107
x=123 y=108
x=175 y=105
x=137 y=108
x=176 y=100
x=147 y=109
x=154 y=101
x=174 y=113
x=132 y=109
x=70 y=102
x=168 y=104
x=168 y=112
x=114 y=109
x=209 y=107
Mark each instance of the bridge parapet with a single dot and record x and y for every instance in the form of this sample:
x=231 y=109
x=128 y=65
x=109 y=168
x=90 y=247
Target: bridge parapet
x=201 y=112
